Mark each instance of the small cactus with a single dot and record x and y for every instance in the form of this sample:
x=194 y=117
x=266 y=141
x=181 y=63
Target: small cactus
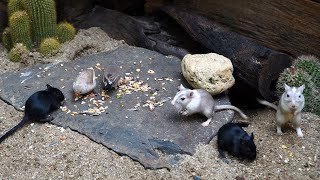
x=14 y=6
x=44 y=19
x=6 y=38
x=20 y=29
x=18 y=52
x=65 y=32
x=311 y=65
x=317 y=105
x=296 y=77
x=49 y=46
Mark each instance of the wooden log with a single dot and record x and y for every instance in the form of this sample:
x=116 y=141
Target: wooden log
x=72 y=10
x=153 y=5
x=256 y=65
x=130 y=7
x=136 y=32
x=283 y=25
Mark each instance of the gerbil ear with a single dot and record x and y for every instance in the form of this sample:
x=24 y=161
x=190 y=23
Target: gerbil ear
x=48 y=86
x=301 y=88
x=286 y=87
x=181 y=87
x=252 y=136
x=190 y=94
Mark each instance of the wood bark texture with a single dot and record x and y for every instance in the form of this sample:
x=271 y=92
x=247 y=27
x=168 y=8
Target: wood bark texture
x=284 y=25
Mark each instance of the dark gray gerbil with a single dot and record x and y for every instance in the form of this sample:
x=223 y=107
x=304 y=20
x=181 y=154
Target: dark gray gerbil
x=38 y=106
x=233 y=139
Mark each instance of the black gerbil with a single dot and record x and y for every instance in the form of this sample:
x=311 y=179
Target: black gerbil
x=38 y=106
x=232 y=138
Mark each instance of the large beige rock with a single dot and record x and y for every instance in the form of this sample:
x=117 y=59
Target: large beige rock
x=212 y=72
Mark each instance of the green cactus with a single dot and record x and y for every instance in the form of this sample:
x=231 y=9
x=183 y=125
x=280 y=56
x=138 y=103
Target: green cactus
x=6 y=38
x=296 y=77
x=20 y=30
x=17 y=53
x=311 y=65
x=65 y=32
x=317 y=105
x=49 y=46
x=44 y=19
x=15 y=5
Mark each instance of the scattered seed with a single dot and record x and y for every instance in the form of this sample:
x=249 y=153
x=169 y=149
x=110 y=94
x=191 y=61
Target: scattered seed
x=151 y=71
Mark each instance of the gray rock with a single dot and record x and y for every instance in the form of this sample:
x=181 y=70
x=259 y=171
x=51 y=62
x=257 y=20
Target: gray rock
x=154 y=138
x=212 y=72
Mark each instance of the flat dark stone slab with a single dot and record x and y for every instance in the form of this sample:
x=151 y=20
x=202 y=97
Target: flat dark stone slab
x=153 y=138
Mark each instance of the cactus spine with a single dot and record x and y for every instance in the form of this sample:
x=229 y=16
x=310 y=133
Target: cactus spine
x=311 y=65
x=32 y=22
x=49 y=46
x=317 y=105
x=6 y=38
x=65 y=32
x=20 y=30
x=44 y=19
x=18 y=52
x=14 y=6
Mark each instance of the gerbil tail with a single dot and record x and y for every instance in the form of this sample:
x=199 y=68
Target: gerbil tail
x=266 y=103
x=11 y=131
x=224 y=107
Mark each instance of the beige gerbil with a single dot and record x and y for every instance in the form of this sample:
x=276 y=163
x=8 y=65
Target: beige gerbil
x=289 y=109
x=189 y=102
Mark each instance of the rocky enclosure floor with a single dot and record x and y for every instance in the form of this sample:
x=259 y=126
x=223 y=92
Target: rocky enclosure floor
x=45 y=151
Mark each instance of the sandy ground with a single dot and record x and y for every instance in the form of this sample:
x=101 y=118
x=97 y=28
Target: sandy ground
x=46 y=151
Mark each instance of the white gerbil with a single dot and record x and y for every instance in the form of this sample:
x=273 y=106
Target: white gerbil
x=189 y=102
x=289 y=109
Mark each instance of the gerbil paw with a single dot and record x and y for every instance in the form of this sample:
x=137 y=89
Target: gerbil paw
x=299 y=132
x=279 y=132
x=205 y=124
x=300 y=135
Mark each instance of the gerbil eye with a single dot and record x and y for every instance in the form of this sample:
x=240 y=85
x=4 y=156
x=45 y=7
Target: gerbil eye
x=183 y=99
x=288 y=95
x=299 y=96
